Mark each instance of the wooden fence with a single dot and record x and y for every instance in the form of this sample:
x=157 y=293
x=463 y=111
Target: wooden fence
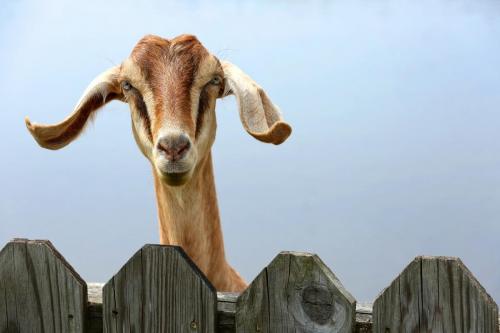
x=160 y=290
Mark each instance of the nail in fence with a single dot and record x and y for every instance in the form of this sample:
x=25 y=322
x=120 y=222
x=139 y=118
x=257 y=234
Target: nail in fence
x=160 y=290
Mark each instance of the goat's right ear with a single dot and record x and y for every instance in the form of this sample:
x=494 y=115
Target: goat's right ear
x=101 y=90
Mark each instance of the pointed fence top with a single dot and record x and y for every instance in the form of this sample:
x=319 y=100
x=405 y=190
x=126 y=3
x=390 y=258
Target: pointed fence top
x=435 y=294
x=40 y=291
x=296 y=292
x=157 y=283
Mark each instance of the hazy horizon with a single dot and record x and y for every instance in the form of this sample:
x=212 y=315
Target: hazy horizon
x=395 y=109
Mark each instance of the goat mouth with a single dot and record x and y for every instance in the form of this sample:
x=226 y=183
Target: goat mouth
x=175 y=178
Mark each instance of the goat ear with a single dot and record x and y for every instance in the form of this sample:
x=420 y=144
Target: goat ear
x=101 y=90
x=259 y=116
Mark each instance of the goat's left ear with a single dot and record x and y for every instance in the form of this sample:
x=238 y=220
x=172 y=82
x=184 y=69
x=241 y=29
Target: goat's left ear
x=101 y=90
x=259 y=116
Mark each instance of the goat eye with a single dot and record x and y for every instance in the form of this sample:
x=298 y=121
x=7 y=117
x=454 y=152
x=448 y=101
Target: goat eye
x=126 y=85
x=216 y=81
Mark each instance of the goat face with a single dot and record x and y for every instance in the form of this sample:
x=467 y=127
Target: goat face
x=171 y=87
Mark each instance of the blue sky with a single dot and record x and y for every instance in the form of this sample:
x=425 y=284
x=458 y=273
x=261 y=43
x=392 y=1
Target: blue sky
x=395 y=107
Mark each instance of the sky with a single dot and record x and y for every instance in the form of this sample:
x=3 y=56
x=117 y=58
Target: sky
x=395 y=109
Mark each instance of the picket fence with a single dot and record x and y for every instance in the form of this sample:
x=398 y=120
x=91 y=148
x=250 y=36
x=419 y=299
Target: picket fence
x=161 y=290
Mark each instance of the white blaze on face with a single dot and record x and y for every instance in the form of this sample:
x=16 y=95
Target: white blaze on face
x=132 y=73
x=208 y=68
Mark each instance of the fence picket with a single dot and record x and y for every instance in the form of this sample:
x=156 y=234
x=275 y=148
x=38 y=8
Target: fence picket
x=39 y=290
x=435 y=294
x=296 y=293
x=159 y=290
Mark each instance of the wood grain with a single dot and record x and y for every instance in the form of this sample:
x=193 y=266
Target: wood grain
x=296 y=292
x=390 y=321
x=159 y=290
x=435 y=294
x=39 y=290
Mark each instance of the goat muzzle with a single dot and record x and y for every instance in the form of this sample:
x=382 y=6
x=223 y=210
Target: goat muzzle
x=174 y=148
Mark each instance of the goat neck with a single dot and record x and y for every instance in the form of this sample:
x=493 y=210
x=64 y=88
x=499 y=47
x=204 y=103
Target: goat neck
x=189 y=217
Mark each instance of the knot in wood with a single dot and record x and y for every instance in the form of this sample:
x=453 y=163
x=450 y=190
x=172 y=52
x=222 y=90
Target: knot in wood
x=317 y=302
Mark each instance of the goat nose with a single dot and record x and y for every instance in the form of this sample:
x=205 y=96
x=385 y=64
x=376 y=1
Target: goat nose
x=174 y=148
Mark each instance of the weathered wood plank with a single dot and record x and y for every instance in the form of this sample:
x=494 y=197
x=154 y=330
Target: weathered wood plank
x=388 y=299
x=39 y=290
x=159 y=290
x=449 y=301
x=363 y=318
x=295 y=293
x=431 y=315
x=410 y=294
x=436 y=294
x=226 y=310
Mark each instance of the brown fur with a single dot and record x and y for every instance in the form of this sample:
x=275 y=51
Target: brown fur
x=195 y=225
x=169 y=68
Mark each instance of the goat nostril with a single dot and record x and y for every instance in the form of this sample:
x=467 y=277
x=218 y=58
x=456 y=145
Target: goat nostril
x=174 y=148
x=183 y=148
x=165 y=147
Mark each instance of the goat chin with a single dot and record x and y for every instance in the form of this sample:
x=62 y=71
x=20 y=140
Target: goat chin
x=174 y=173
x=175 y=178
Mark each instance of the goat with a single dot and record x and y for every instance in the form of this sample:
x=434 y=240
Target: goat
x=171 y=87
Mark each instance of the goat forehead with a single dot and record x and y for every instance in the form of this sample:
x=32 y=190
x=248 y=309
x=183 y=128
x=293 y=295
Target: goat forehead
x=168 y=70
x=179 y=57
